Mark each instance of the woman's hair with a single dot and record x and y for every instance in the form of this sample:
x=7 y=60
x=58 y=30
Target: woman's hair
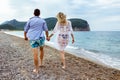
x=61 y=17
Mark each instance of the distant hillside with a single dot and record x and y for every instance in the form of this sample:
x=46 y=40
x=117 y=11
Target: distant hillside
x=13 y=24
x=51 y=22
x=7 y=26
x=77 y=24
x=80 y=25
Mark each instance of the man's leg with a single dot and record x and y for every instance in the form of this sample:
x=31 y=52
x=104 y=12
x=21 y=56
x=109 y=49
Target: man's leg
x=41 y=55
x=35 y=53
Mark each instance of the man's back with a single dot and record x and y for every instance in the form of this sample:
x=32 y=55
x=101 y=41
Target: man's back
x=35 y=27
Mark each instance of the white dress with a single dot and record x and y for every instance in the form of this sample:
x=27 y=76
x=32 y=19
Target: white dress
x=63 y=33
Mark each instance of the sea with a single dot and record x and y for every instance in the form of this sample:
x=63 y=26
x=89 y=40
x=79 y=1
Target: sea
x=101 y=47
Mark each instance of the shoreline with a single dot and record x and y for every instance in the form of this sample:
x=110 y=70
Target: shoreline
x=85 y=54
x=16 y=61
x=94 y=60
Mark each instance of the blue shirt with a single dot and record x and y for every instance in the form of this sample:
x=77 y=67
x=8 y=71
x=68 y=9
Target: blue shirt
x=35 y=28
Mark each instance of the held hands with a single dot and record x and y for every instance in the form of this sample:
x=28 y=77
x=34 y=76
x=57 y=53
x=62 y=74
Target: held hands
x=48 y=38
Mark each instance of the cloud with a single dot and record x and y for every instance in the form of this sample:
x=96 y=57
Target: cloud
x=5 y=10
x=96 y=12
x=48 y=8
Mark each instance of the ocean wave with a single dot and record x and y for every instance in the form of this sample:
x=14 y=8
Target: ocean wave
x=99 y=58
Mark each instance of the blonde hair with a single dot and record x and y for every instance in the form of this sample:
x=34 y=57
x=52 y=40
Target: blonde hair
x=61 y=17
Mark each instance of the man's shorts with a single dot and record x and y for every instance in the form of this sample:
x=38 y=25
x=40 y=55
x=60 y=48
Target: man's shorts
x=37 y=43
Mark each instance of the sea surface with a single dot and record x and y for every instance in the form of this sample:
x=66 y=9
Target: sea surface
x=102 y=47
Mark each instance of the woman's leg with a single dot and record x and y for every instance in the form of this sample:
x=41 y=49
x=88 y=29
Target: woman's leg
x=63 y=58
x=35 y=53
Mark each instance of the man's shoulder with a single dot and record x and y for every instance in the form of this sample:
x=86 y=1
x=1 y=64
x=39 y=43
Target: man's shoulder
x=38 y=18
x=31 y=18
x=43 y=20
x=35 y=17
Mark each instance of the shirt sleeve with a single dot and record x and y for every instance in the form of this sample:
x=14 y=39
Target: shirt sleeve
x=55 y=28
x=71 y=30
x=45 y=28
x=27 y=26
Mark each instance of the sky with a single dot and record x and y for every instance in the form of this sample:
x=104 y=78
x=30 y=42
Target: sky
x=101 y=15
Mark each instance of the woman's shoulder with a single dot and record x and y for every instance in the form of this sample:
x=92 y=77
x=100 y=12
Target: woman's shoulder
x=68 y=22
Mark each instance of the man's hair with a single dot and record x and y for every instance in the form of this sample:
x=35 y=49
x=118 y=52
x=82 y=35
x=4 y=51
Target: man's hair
x=36 y=12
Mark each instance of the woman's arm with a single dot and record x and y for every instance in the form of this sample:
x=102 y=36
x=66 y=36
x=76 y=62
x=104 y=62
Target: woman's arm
x=71 y=31
x=51 y=35
x=72 y=38
x=54 y=30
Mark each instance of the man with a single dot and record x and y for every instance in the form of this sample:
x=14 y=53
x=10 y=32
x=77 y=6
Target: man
x=34 y=32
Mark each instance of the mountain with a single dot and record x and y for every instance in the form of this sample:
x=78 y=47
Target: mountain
x=77 y=24
x=51 y=22
x=80 y=25
x=13 y=24
x=7 y=26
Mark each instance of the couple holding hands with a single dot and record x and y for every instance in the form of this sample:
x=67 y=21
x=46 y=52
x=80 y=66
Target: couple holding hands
x=34 y=32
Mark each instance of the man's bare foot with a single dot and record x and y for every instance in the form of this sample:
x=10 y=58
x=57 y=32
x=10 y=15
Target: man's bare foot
x=35 y=71
x=61 y=63
x=41 y=65
x=63 y=67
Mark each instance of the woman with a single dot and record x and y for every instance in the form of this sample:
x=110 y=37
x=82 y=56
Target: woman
x=63 y=29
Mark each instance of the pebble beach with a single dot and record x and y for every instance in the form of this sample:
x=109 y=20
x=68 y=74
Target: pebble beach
x=16 y=63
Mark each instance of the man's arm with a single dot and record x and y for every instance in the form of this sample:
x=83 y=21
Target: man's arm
x=25 y=37
x=26 y=28
x=47 y=33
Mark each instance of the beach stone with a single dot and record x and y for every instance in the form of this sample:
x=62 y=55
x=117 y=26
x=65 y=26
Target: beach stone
x=16 y=63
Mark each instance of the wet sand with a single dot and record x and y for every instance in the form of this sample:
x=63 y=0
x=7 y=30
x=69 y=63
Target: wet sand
x=16 y=63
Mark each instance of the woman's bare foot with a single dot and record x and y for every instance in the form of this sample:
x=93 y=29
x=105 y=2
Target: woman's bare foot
x=35 y=71
x=63 y=66
x=40 y=65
